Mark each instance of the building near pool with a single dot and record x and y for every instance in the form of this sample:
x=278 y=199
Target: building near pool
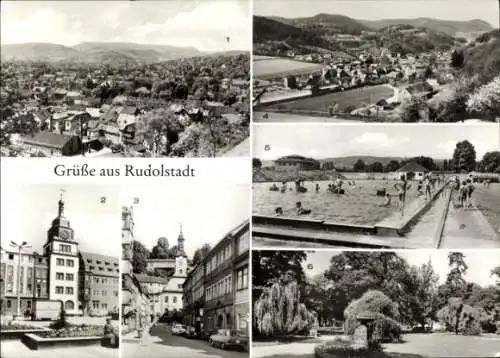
x=298 y=162
x=56 y=274
x=216 y=292
x=411 y=171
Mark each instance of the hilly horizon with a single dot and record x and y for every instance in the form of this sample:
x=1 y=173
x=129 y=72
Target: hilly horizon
x=348 y=161
x=355 y=26
x=100 y=52
x=277 y=34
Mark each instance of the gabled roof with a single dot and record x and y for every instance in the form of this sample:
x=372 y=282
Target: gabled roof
x=101 y=265
x=48 y=139
x=412 y=167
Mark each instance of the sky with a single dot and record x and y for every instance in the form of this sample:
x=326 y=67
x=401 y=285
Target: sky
x=458 y=10
x=207 y=213
x=480 y=263
x=403 y=140
x=28 y=211
x=203 y=24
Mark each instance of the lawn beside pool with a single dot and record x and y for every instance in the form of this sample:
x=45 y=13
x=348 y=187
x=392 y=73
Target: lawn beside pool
x=436 y=345
x=346 y=100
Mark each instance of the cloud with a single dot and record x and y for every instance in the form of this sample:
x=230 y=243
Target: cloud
x=201 y=24
x=376 y=140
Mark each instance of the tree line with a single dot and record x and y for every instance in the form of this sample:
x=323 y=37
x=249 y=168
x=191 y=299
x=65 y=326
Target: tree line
x=383 y=283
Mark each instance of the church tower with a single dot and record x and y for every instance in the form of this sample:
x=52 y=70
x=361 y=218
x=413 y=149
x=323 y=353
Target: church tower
x=181 y=257
x=62 y=252
x=127 y=240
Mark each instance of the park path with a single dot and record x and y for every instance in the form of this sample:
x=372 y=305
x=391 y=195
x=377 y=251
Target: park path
x=468 y=228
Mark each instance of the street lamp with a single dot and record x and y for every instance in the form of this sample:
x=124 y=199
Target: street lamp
x=23 y=245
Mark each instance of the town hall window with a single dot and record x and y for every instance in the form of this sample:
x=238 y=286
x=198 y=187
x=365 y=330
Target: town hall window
x=59 y=276
x=60 y=262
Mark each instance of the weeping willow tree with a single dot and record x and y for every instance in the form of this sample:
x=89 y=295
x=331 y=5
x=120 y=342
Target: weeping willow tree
x=279 y=311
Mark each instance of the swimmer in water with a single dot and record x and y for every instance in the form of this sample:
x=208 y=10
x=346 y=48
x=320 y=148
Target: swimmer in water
x=387 y=201
x=278 y=211
x=300 y=209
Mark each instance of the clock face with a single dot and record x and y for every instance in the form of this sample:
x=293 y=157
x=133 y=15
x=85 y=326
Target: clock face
x=64 y=235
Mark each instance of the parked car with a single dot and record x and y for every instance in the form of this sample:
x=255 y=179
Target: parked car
x=225 y=339
x=178 y=329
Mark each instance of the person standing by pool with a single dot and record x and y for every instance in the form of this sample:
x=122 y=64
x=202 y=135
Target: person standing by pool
x=317 y=188
x=427 y=187
x=469 y=190
x=401 y=186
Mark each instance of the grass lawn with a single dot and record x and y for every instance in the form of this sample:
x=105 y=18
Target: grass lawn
x=488 y=201
x=267 y=68
x=347 y=99
x=446 y=345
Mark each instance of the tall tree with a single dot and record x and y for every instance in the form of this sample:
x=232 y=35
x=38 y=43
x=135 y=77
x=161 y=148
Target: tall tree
x=139 y=256
x=161 y=249
x=359 y=166
x=392 y=166
x=464 y=156
x=490 y=162
x=201 y=253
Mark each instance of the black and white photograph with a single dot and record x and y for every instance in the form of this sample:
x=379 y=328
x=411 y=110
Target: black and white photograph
x=372 y=186
x=59 y=284
x=185 y=255
x=376 y=61
x=125 y=78
x=380 y=304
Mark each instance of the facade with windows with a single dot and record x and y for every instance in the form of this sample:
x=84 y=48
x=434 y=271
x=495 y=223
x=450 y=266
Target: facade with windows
x=194 y=298
x=134 y=300
x=55 y=275
x=224 y=292
x=33 y=281
x=99 y=284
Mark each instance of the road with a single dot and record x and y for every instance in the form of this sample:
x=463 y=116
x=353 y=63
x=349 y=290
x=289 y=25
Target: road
x=296 y=118
x=160 y=343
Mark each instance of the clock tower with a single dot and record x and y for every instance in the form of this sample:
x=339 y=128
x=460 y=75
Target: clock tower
x=62 y=252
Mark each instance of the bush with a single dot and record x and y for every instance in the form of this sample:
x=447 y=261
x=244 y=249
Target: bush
x=384 y=312
x=61 y=321
x=339 y=348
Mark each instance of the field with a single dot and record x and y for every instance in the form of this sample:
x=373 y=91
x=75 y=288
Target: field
x=359 y=205
x=346 y=100
x=271 y=67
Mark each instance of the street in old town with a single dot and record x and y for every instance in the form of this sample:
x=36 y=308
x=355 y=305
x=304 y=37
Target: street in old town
x=160 y=342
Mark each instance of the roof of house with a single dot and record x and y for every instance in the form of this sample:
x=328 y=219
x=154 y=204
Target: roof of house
x=151 y=279
x=412 y=167
x=48 y=139
x=101 y=265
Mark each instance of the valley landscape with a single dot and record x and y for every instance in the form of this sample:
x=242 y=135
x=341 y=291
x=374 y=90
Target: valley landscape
x=416 y=69
x=67 y=96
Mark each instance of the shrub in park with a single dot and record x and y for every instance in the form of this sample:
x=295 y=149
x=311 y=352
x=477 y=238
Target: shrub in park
x=339 y=348
x=460 y=318
x=383 y=312
x=279 y=311
x=61 y=321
